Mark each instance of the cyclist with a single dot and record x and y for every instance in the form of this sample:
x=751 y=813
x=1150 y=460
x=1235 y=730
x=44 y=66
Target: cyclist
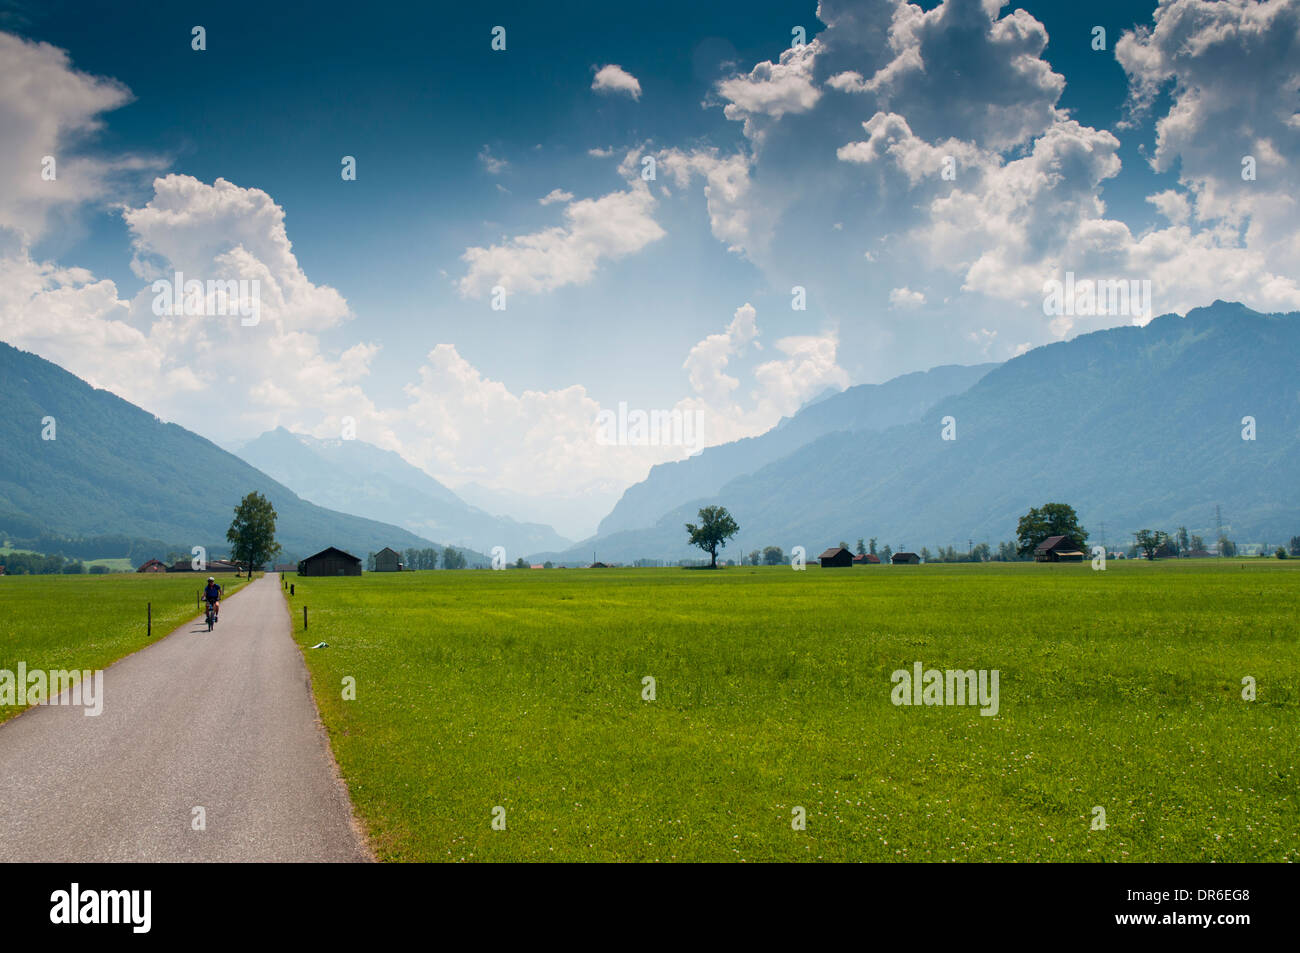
x=212 y=596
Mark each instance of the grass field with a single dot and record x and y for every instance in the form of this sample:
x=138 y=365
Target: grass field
x=114 y=564
x=523 y=690
x=87 y=622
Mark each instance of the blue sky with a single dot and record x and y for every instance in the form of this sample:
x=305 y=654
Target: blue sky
x=673 y=292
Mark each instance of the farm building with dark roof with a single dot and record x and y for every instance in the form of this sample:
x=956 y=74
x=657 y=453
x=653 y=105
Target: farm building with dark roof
x=866 y=559
x=905 y=559
x=1058 y=549
x=836 y=556
x=388 y=560
x=330 y=562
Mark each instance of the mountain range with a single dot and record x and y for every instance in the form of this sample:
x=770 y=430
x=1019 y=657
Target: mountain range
x=859 y=409
x=378 y=484
x=1136 y=427
x=81 y=462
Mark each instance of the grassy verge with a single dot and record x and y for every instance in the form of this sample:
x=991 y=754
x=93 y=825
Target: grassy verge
x=89 y=622
x=523 y=690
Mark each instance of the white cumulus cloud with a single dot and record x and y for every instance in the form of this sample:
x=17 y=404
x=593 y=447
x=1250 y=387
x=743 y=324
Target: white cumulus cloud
x=594 y=230
x=614 y=79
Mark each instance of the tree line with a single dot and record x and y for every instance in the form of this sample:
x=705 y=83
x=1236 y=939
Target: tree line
x=427 y=558
x=717 y=526
x=39 y=564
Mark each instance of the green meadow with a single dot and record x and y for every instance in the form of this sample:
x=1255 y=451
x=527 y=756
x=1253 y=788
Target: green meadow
x=521 y=695
x=88 y=622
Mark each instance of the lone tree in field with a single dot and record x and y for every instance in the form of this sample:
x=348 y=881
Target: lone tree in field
x=252 y=534
x=1150 y=542
x=715 y=528
x=1050 y=519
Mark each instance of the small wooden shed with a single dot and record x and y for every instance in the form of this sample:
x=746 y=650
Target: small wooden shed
x=905 y=559
x=388 y=560
x=836 y=556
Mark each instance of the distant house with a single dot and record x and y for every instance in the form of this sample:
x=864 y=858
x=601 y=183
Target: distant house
x=388 y=560
x=836 y=556
x=330 y=562
x=599 y=565
x=1199 y=554
x=905 y=559
x=536 y=566
x=153 y=565
x=866 y=559
x=1058 y=549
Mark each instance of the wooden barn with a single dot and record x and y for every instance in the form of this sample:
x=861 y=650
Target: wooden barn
x=1058 y=549
x=837 y=556
x=905 y=559
x=866 y=559
x=388 y=560
x=330 y=562
x=153 y=565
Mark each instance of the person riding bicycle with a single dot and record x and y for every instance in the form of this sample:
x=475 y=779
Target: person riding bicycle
x=212 y=596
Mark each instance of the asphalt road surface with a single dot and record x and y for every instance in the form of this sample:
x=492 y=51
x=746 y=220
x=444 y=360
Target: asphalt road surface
x=224 y=721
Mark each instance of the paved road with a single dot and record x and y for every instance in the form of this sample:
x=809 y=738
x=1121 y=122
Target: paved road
x=223 y=721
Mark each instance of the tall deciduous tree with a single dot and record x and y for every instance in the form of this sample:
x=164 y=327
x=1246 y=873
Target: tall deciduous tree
x=712 y=532
x=1050 y=519
x=252 y=532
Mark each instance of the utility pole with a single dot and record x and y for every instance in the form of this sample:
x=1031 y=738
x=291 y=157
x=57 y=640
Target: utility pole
x=1218 y=530
x=1103 y=535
